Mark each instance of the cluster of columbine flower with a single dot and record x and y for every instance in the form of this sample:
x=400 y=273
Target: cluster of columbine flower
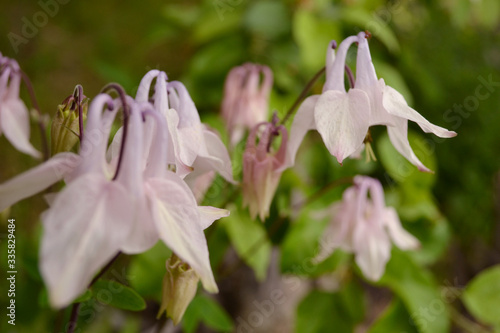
x=126 y=196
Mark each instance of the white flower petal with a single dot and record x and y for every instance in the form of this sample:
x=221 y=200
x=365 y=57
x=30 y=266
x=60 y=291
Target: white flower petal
x=14 y=118
x=178 y=221
x=399 y=137
x=302 y=123
x=373 y=250
x=83 y=230
x=217 y=158
x=209 y=214
x=402 y=238
x=342 y=120
x=396 y=105
x=37 y=179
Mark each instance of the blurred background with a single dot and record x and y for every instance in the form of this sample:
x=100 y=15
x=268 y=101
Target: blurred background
x=444 y=56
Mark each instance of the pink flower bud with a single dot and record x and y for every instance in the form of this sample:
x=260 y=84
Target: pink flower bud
x=246 y=98
x=262 y=168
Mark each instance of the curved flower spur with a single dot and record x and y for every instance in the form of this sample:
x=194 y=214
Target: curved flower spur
x=343 y=118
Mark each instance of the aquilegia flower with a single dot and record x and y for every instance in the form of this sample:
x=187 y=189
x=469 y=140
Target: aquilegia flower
x=191 y=145
x=363 y=225
x=108 y=207
x=262 y=168
x=343 y=118
x=246 y=99
x=14 y=115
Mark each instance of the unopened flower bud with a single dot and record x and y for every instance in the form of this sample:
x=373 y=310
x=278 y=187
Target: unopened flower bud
x=65 y=131
x=262 y=168
x=246 y=99
x=179 y=287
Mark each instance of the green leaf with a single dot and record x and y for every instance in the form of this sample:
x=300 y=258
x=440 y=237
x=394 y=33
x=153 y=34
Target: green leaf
x=83 y=297
x=313 y=34
x=147 y=269
x=300 y=246
x=208 y=311
x=394 y=319
x=249 y=239
x=482 y=296
x=267 y=18
x=117 y=295
x=418 y=291
x=320 y=312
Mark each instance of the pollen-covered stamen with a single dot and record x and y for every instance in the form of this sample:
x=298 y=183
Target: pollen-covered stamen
x=370 y=154
x=126 y=114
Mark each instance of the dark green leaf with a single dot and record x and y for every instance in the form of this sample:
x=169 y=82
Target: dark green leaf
x=117 y=295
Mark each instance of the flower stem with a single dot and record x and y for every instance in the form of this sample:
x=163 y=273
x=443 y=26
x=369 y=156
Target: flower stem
x=76 y=306
x=303 y=95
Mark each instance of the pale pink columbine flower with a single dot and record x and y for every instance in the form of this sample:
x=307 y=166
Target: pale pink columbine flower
x=262 y=168
x=363 y=225
x=14 y=115
x=108 y=208
x=191 y=145
x=343 y=117
x=246 y=99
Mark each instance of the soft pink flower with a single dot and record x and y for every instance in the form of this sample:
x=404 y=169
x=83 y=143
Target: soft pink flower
x=363 y=225
x=110 y=207
x=262 y=168
x=246 y=99
x=14 y=115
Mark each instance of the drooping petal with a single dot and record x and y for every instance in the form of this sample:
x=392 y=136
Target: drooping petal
x=14 y=118
x=217 y=157
x=83 y=230
x=302 y=123
x=372 y=248
x=176 y=155
x=177 y=220
x=399 y=138
x=209 y=214
x=396 y=105
x=130 y=174
x=143 y=233
x=402 y=238
x=37 y=179
x=342 y=120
